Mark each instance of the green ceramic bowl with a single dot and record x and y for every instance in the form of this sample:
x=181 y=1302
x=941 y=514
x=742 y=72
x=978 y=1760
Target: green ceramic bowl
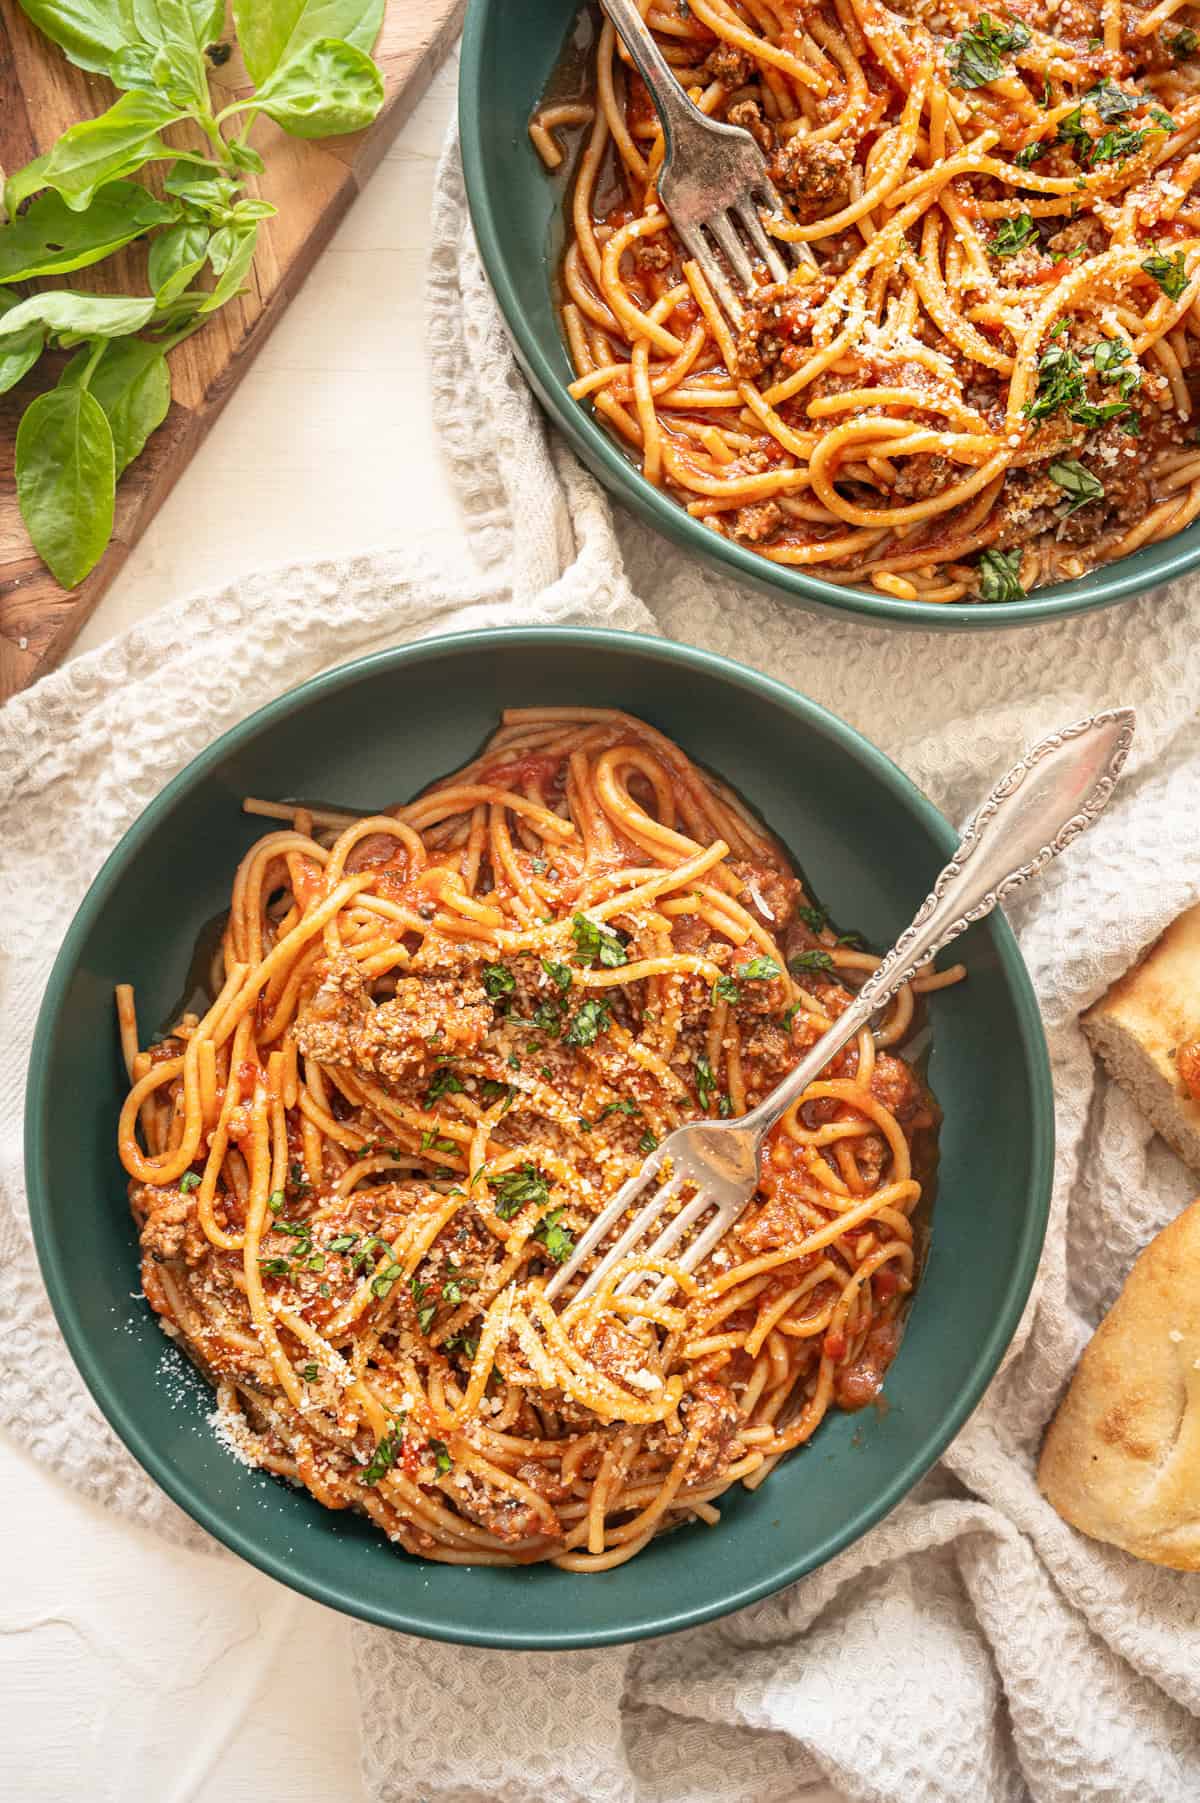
x=375 y=732
x=519 y=214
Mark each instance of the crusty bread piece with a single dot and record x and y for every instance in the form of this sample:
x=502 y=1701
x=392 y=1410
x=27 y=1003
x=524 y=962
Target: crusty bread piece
x=1121 y=1461
x=1138 y=1025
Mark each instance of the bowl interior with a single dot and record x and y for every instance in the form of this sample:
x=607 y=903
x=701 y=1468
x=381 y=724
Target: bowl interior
x=374 y=733
x=519 y=214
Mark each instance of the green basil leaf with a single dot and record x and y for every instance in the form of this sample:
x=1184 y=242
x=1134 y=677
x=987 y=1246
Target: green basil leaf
x=66 y=477
x=133 y=67
x=980 y=55
x=1000 y=575
x=181 y=22
x=178 y=283
x=97 y=151
x=326 y=89
x=201 y=185
x=85 y=315
x=208 y=20
x=246 y=157
x=221 y=248
x=185 y=246
x=51 y=239
x=186 y=179
x=17 y=355
x=1077 y=481
x=90 y=31
x=181 y=74
x=1169 y=272
x=177 y=32
x=235 y=269
x=133 y=385
x=272 y=31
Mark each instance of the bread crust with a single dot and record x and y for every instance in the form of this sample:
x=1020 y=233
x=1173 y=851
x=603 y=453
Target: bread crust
x=1138 y=1026
x=1121 y=1459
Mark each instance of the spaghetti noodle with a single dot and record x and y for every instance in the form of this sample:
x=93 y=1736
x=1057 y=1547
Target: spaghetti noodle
x=440 y=1037
x=984 y=378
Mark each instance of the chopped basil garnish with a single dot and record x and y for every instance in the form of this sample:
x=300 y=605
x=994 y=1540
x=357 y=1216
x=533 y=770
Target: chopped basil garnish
x=596 y=943
x=498 y=980
x=385 y=1454
x=1061 y=385
x=1012 y=235
x=1169 y=272
x=1076 y=481
x=1000 y=576
x=558 y=1240
x=548 y=1016
x=1111 y=102
x=385 y=1282
x=805 y=963
x=979 y=55
x=1116 y=363
x=592 y=1019
x=1117 y=146
x=514 y=1189
x=430 y=1142
x=444 y=1083
x=759 y=970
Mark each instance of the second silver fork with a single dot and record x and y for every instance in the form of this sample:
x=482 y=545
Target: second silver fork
x=1057 y=790
x=713 y=179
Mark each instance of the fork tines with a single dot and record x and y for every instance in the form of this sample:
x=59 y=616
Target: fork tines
x=662 y=1197
x=723 y=227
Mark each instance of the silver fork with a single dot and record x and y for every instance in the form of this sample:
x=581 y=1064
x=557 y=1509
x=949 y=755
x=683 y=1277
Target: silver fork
x=713 y=176
x=1055 y=792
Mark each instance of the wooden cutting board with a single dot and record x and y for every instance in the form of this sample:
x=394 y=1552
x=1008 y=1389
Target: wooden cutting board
x=312 y=184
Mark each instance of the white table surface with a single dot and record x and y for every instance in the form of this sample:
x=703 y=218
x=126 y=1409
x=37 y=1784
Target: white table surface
x=127 y=1666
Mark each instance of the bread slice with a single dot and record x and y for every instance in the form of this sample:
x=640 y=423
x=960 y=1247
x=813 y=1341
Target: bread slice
x=1121 y=1461
x=1137 y=1027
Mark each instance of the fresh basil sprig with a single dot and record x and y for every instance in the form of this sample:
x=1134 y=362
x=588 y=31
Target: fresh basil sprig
x=66 y=474
x=76 y=205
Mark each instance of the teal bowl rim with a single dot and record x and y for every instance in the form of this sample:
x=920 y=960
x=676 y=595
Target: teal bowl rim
x=1099 y=588
x=290 y=1571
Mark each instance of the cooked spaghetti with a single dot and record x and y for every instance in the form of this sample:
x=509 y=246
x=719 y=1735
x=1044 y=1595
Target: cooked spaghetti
x=441 y=1037
x=983 y=376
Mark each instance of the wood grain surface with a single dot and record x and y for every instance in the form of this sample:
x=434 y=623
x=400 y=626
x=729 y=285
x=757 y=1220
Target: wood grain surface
x=312 y=184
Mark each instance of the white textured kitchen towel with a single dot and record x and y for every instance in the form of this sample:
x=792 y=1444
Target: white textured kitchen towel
x=972 y=1649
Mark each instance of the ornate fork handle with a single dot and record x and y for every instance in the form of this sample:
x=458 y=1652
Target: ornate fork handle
x=1054 y=794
